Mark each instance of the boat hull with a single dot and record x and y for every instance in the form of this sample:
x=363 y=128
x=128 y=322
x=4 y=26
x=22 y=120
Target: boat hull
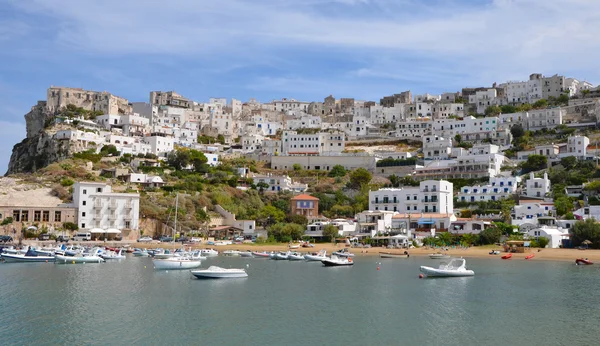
x=505 y=257
x=435 y=272
x=392 y=255
x=245 y=254
x=22 y=258
x=439 y=256
x=78 y=259
x=203 y=274
x=582 y=261
x=296 y=258
x=330 y=263
x=314 y=258
x=168 y=264
x=261 y=254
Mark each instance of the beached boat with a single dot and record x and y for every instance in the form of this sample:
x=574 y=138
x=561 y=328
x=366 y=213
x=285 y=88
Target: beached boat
x=494 y=252
x=316 y=256
x=263 y=254
x=214 y=272
x=583 y=261
x=272 y=255
x=335 y=261
x=455 y=268
x=245 y=254
x=293 y=246
x=209 y=252
x=175 y=263
x=507 y=256
x=394 y=255
x=231 y=253
x=438 y=255
x=282 y=255
x=343 y=253
x=79 y=259
x=529 y=256
x=29 y=256
x=295 y=256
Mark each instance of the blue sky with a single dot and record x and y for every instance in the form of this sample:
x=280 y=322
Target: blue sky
x=268 y=49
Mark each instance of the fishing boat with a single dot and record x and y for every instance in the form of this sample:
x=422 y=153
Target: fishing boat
x=394 y=255
x=209 y=252
x=336 y=261
x=175 y=263
x=438 y=255
x=507 y=256
x=343 y=253
x=455 y=268
x=262 y=254
x=583 y=261
x=282 y=255
x=214 y=272
x=529 y=256
x=316 y=256
x=29 y=256
x=295 y=256
x=245 y=254
x=231 y=253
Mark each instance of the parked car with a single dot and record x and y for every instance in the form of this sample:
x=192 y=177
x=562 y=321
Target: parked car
x=44 y=236
x=6 y=239
x=145 y=239
x=165 y=239
x=62 y=239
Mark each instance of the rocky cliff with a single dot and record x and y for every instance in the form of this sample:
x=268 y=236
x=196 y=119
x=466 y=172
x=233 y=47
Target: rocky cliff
x=40 y=148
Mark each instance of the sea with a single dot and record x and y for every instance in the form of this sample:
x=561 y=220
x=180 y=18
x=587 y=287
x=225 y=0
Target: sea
x=375 y=302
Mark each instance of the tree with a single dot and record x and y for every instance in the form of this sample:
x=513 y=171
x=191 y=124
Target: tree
x=221 y=139
x=262 y=186
x=458 y=138
x=337 y=171
x=593 y=186
x=563 y=205
x=517 y=131
x=109 y=150
x=490 y=235
x=535 y=163
x=445 y=238
x=7 y=221
x=359 y=177
x=70 y=226
x=507 y=109
x=297 y=167
x=330 y=232
x=541 y=103
x=297 y=219
x=524 y=107
x=563 y=99
x=394 y=180
x=586 y=230
x=505 y=228
x=181 y=158
x=468 y=239
x=492 y=111
x=542 y=242
x=569 y=162
x=198 y=160
x=269 y=215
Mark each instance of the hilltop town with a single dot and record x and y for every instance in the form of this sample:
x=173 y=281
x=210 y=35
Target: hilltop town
x=516 y=159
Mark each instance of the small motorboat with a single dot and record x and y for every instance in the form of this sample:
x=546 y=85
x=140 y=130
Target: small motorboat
x=394 y=255
x=282 y=256
x=295 y=256
x=272 y=255
x=583 y=261
x=231 y=253
x=175 y=263
x=494 y=252
x=140 y=253
x=262 y=254
x=507 y=256
x=214 y=272
x=293 y=246
x=246 y=254
x=209 y=252
x=455 y=268
x=113 y=255
x=29 y=256
x=530 y=256
x=335 y=261
x=438 y=255
x=79 y=259
x=316 y=256
x=343 y=253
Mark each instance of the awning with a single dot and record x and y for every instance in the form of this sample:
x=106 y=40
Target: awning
x=97 y=230
x=112 y=231
x=426 y=222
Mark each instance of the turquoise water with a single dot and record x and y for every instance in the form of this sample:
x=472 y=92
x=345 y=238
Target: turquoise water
x=300 y=303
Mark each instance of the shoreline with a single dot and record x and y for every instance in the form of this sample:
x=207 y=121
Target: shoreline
x=562 y=255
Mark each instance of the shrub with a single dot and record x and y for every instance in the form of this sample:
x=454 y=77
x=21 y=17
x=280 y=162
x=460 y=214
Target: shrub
x=70 y=226
x=7 y=221
x=66 y=182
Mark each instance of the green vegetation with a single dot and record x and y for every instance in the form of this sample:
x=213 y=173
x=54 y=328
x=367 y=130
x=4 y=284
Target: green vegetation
x=7 y=221
x=337 y=171
x=330 y=232
x=181 y=158
x=534 y=163
x=411 y=161
x=359 y=178
x=586 y=230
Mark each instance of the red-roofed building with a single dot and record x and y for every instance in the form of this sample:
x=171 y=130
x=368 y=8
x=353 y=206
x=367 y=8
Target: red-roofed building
x=306 y=205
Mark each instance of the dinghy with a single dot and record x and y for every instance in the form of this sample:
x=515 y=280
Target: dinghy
x=583 y=261
x=455 y=268
x=394 y=255
x=316 y=256
x=175 y=263
x=507 y=256
x=214 y=272
x=335 y=261
x=29 y=256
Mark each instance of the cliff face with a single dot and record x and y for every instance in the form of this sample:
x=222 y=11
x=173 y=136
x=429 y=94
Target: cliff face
x=40 y=148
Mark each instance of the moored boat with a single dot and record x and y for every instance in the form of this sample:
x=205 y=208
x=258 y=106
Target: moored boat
x=529 y=256
x=214 y=272
x=245 y=254
x=175 y=263
x=29 y=256
x=343 y=253
x=438 y=255
x=335 y=261
x=262 y=254
x=113 y=255
x=231 y=253
x=507 y=256
x=282 y=256
x=316 y=256
x=140 y=253
x=209 y=252
x=583 y=261
x=394 y=255
x=295 y=256
x=455 y=268
x=494 y=252
x=79 y=259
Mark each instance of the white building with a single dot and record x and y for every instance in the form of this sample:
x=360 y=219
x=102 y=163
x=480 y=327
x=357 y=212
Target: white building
x=345 y=227
x=445 y=110
x=99 y=207
x=483 y=99
x=146 y=180
x=592 y=211
x=431 y=196
x=159 y=145
x=372 y=222
x=436 y=147
x=278 y=183
x=545 y=118
x=577 y=146
x=497 y=189
x=304 y=122
x=537 y=187
x=531 y=210
x=251 y=143
x=555 y=235
x=413 y=128
x=322 y=143
x=466 y=166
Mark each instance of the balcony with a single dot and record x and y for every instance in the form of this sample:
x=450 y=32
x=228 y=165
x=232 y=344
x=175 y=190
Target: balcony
x=112 y=216
x=128 y=205
x=98 y=205
x=113 y=205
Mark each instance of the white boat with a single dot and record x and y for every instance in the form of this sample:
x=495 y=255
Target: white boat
x=231 y=253
x=272 y=255
x=246 y=254
x=29 y=256
x=140 y=253
x=282 y=256
x=209 y=252
x=438 y=255
x=316 y=256
x=455 y=268
x=174 y=263
x=394 y=255
x=214 y=272
x=79 y=259
x=295 y=256
x=13 y=250
x=343 y=253
x=294 y=246
x=335 y=261
x=112 y=255
x=262 y=254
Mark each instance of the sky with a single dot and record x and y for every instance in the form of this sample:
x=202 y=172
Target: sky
x=269 y=49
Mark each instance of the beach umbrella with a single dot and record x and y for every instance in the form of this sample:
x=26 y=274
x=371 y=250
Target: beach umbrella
x=587 y=242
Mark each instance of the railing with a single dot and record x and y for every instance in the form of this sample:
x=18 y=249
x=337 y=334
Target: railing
x=128 y=205
x=113 y=204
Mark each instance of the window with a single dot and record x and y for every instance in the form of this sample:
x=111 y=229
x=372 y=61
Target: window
x=17 y=215
x=83 y=214
x=84 y=191
x=415 y=197
x=83 y=225
x=57 y=216
x=25 y=215
x=127 y=224
x=45 y=215
x=100 y=189
x=37 y=215
x=83 y=203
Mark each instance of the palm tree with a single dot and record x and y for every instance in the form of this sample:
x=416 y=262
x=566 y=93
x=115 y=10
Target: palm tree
x=445 y=238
